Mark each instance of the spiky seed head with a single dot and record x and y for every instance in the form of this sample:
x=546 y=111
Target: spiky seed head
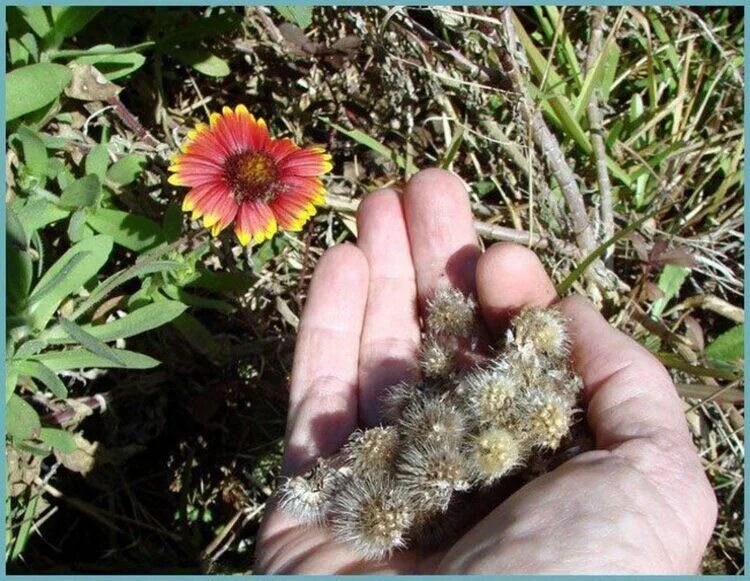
x=372 y=450
x=436 y=358
x=488 y=393
x=450 y=312
x=546 y=417
x=373 y=515
x=308 y=497
x=494 y=452
x=541 y=330
x=431 y=472
x=397 y=397
x=432 y=417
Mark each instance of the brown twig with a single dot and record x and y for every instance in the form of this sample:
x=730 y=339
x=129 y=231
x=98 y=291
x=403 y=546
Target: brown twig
x=131 y=121
x=597 y=134
x=544 y=139
x=483 y=229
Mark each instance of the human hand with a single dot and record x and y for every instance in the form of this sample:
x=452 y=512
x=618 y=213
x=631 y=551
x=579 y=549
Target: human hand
x=638 y=503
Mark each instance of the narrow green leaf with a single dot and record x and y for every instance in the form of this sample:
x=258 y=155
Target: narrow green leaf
x=110 y=284
x=21 y=419
x=69 y=274
x=34 y=151
x=89 y=342
x=127 y=169
x=14 y=229
x=31 y=347
x=83 y=359
x=729 y=346
x=594 y=78
x=82 y=193
x=139 y=321
x=45 y=375
x=32 y=87
x=132 y=231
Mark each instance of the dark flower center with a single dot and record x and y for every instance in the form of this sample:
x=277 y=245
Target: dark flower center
x=252 y=175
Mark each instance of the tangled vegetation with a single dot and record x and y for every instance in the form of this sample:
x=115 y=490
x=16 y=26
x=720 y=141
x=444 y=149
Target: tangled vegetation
x=147 y=362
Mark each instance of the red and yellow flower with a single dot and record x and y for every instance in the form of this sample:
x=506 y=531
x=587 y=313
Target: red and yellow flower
x=239 y=174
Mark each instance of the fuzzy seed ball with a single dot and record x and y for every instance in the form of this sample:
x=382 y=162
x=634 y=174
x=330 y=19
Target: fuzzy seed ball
x=547 y=417
x=541 y=331
x=430 y=472
x=488 y=393
x=435 y=358
x=432 y=418
x=372 y=451
x=494 y=453
x=308 y=497
x=373 y=515
x=451 y=313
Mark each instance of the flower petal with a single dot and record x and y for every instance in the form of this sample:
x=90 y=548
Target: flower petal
x=255 y=221
x=312 y=161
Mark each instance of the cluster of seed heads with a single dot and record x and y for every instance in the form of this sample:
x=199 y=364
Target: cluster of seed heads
x=451 y=434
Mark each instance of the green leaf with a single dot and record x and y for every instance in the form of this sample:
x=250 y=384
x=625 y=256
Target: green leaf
x=670 y=282
x=82 y=193
x=19 y=270
x=97 y=161
x=28 y=41
x=594 y=77
x=32 y=87
x=106 y=287
x=34 y=151
x=729 y=346
x=39 y=213
x=127 y=169
x=21 y=419
x=45 y=375
x=203 y=61
x=69 y=274
x=113 y=66
x=142 y=320
x=68 y=20
x=14 y=229
x=89 y=342
x=31 y=347
x=373 y=144
x=60 y=440
x=77 y=225
x=134 y=232
x=198 y=336
x=299 y=15
x=36 y=18
x=82 y=359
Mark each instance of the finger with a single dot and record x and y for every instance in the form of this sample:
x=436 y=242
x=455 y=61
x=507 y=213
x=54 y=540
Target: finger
x=441 y=232
x=390 y=337
x=629 y=393
x=323 y=393
x=509 y=278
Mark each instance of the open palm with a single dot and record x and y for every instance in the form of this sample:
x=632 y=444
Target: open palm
x=638 y=503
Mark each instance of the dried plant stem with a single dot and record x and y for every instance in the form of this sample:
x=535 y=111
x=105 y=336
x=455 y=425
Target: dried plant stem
x=597 y=134
x=544 y=138
x=483 y=229
x=131 y=121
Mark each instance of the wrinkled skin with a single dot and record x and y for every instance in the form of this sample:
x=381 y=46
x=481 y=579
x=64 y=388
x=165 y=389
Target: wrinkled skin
x=639 y=503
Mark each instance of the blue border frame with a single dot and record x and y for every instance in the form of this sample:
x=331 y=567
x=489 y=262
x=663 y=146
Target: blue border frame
x=3 y=282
